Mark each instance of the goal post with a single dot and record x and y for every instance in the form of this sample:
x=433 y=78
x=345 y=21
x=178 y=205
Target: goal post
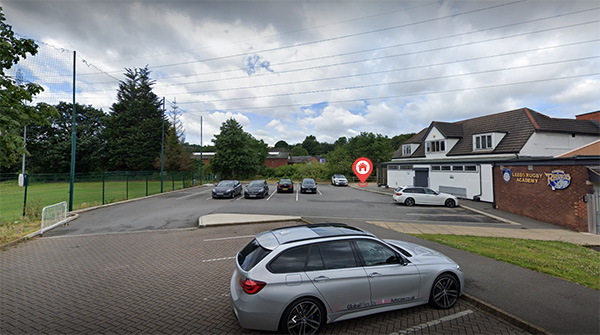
x=53 y=216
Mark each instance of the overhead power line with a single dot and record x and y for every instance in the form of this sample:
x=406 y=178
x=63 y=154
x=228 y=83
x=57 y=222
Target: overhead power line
x=402 y=95
x=384 y=71
x=400 y=82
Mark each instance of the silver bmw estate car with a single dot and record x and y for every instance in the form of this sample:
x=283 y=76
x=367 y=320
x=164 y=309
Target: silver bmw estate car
x=296 y=279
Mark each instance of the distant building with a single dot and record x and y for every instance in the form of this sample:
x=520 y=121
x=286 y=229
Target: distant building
x=303 y=160
x=520 y=160
x=276 y=157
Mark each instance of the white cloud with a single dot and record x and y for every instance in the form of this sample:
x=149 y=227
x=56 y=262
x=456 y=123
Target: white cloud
x=446 y=65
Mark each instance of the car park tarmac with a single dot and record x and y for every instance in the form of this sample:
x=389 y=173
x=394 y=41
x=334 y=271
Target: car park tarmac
x=148 y=261
x=170 y=281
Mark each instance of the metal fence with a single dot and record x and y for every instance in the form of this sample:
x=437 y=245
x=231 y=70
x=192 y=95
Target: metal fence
x=90 y=189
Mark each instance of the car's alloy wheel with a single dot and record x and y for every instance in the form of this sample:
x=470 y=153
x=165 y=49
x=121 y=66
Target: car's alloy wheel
x=409 y=202
x=444 y=292
x=450 y=203
x=304 y=316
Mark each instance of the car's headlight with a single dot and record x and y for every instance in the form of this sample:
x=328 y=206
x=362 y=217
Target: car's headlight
x=457 y=267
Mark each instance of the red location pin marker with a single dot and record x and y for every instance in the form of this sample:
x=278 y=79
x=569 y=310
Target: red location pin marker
x=362 y=168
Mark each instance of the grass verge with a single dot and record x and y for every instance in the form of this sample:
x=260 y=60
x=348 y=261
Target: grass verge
x=568 y=261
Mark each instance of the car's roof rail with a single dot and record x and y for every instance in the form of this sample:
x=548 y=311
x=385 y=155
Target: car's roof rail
x=317 y=231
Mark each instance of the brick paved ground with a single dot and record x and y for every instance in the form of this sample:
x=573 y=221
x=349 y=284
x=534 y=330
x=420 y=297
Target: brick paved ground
x=165 y=282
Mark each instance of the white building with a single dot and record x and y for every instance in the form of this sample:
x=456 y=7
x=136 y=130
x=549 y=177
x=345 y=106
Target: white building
x=457 y=157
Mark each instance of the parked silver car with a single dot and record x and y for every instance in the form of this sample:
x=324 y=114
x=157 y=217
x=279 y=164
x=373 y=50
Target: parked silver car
x=339 y=179
x=296 y=279
x=411 y=195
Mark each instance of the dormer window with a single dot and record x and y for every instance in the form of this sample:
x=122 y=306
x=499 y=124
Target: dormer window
x=483 y=142
x=436 y=146
x=406 y=150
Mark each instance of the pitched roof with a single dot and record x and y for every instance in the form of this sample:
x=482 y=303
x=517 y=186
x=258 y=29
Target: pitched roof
x=277 y=153
x=301 y=159
x=449 y=130
x=518 y=125
x=591 y=149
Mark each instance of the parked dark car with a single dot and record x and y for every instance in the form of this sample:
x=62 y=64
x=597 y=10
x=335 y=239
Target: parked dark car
x=285 y=185
x=308 y=185
x=227 y=189
x=256 y=189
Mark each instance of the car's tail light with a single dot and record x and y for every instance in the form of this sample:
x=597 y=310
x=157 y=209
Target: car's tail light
x=398 y=193
x=252 y=286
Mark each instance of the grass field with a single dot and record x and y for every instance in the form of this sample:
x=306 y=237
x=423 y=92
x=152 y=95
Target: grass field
x=85 y=194
x=568 y=261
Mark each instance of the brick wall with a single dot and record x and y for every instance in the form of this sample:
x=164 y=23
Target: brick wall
x=524 y=196
x=275 y=162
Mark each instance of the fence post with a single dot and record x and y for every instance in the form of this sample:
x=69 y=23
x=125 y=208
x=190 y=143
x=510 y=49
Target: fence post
x=173 y=181
x=183 y=179
x=146 y=185
x=126 y=185
x=103 y=186
x=26 y=182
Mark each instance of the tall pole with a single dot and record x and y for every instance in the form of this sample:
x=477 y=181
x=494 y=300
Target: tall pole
x=73 y=140
x=162 y=147
x=201 y=161
x=25 y=141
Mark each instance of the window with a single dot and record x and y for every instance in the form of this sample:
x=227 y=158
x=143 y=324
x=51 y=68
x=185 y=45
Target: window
x=457 y=168
x=436 y=168
x=251 y=255
x=430 y=191
x=470 y=168
x=406 y=150
x=445 y=167
x=483 y=142
x=292 y=260
x=436 y=146
x=374 y=253
x=337 y=255
x=406 y=167
x=315 y=262
x=392 y=167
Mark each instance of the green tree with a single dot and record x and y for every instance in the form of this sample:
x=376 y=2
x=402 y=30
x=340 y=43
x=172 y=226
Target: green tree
x=398 y=140
x=339 y=161
x=377 y=148
x=133 y=128
x=176 y=158
x=298 y=150
x=15 y=113
x=311 y=145
x=282 y=144
x=50 y=144
x=237 y=154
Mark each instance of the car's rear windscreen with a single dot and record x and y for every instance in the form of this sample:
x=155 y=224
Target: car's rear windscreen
x=251 y=255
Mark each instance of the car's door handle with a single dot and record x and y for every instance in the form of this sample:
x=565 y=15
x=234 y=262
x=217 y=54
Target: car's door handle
x=321 y=278
x=375 y=274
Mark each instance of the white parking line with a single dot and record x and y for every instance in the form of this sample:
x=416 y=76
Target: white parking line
x=434 y=322
x=297 y=192
x=272 y=194
x=319 y=192
x=191 y=195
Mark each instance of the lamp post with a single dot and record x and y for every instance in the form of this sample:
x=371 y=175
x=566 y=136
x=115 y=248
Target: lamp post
x=162 y=147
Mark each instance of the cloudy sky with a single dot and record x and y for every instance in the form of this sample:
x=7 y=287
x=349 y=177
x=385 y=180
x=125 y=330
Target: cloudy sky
x=288 y=69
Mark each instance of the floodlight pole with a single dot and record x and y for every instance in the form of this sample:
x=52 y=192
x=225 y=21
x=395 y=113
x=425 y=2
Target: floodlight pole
x=73 y=140
x=201 y=161
x=162 y=147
